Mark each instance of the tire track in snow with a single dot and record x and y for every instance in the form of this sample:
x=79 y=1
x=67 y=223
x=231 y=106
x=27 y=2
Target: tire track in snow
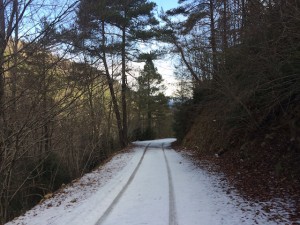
x=172 y=205
x=118 y=197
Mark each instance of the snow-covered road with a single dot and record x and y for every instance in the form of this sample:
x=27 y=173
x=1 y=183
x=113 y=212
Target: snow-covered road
x=147 y=195
x=152 y=184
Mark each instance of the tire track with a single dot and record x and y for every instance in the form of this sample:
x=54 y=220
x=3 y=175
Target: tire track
x=118 y=197
x=172 y=205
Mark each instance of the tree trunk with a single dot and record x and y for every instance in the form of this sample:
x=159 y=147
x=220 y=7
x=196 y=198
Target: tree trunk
x=111 y=89
x=45 y=130
x=225 y=39
x=186 y=63
x=2 y=49
x=15 y=61
x=213 y=36
x=149 y=116
x=124 y=87
x=2 y=120
x=243 y=14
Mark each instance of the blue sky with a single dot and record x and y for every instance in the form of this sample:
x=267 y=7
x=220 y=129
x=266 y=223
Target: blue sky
x=165 y=66
x=166 y=4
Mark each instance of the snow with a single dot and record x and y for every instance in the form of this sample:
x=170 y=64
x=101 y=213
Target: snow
x=136 y=187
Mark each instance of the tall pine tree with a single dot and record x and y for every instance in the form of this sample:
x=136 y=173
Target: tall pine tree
x=152 y=103
x=131 y=21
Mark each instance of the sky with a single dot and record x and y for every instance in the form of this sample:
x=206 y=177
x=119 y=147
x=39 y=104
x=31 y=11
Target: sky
x=166 y=4
x=165 y=66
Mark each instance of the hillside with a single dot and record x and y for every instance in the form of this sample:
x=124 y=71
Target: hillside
x=246 y=117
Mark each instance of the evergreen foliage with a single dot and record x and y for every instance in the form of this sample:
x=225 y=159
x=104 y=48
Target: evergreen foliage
x=130 y=22
x=153 y=109
x=248 y=86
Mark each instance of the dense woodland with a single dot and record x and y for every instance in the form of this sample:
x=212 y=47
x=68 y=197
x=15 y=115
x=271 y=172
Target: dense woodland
x=70 y=95
x=243 y=58
x=65 y=102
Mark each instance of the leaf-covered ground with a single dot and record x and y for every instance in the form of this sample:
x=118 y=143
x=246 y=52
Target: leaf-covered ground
x=256 y=181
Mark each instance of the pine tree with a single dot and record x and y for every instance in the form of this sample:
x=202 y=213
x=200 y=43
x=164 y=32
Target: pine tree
x=151 y=100
x=132 y=19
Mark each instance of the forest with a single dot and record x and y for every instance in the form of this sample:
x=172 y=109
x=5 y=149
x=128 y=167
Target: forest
x=71 y=95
